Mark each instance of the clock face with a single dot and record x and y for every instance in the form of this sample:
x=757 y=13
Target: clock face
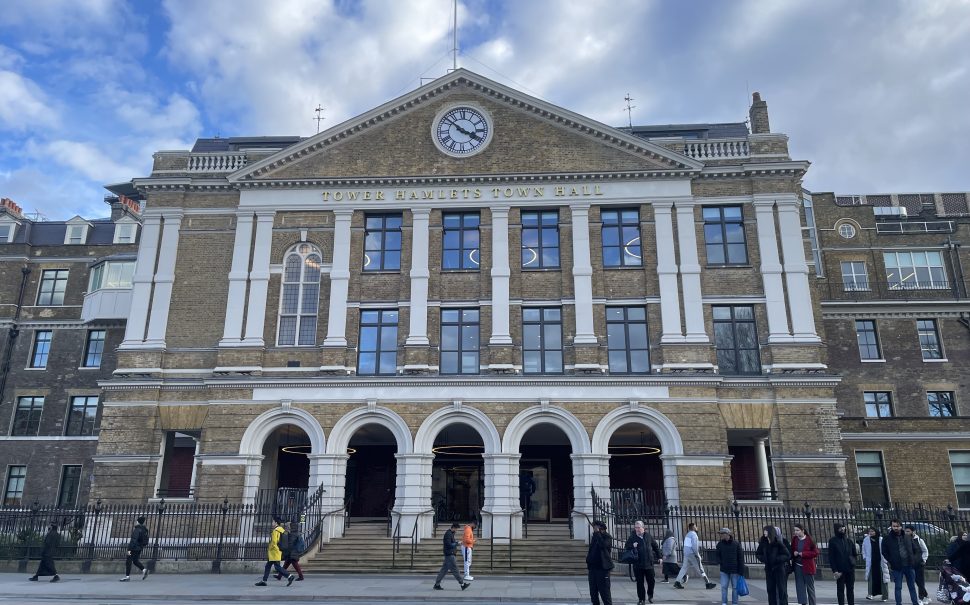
x=462 y=131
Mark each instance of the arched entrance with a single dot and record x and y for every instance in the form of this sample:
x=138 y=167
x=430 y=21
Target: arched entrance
x=635 y=466
x=284 y=477
x=458 y=473
x=371 y=472
x=545 y=474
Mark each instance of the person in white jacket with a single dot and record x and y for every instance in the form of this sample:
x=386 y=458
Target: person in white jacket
x=920 y=565
x=877 y=570
x=692 y=559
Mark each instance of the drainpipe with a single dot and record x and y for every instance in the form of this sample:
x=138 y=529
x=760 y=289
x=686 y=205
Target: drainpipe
x=13 y=332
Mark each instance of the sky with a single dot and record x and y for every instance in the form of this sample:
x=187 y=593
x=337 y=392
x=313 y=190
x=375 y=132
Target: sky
x=875 y=93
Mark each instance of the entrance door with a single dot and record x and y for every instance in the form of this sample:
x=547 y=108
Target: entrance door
x=458 y=489
x=371 y=475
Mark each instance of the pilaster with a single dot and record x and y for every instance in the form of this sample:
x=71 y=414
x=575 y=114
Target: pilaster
x=667 y=274
x=238 y=278
x=141 y=291
x=164 y=278
x=771 y=269
x=796 y=272
x=339 y=280
x=690 y=273
x=259 y=279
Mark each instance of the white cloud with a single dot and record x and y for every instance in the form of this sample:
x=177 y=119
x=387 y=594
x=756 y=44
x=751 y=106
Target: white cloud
x=85 y=158
x=23 y=104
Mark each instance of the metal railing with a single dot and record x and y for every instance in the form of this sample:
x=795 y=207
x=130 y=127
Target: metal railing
x=914 y=227
x=763 y=495
x=864 y=290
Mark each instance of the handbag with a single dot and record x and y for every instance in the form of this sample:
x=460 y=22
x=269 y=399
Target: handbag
x=942 y=594
x=629 y=556
x=742 y=587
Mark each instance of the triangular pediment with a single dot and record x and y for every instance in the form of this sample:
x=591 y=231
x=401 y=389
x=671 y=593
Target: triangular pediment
x=529 y=136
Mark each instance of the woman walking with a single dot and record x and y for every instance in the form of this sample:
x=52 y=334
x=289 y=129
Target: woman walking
x=46 y=568
x=877 y=570
x=274 y=555
x=669 y=551
x=774 y=553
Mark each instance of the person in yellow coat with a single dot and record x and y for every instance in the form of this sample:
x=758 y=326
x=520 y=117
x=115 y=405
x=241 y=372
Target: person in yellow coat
x=467 y=544
x=274 y=555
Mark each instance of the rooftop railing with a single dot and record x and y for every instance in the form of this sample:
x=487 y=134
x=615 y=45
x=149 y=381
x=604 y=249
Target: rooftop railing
x=717 y=149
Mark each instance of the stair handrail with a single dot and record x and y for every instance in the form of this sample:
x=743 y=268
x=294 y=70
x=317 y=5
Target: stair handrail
x=395 y=543
x=316 y=534
x=589 y=524
x=414 y=534
x=390 y=512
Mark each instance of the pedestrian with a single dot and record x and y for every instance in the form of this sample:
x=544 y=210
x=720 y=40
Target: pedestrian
x=692 y=559
x=804 y=552
x=901 y=553
x=774 y=553
x=46 y=568
x=138 y=541
x=293 y=548
x=648 y=554
x=730 y=559
x=842 y=558
x=669 y=551
x=467 y=544
x=958 y=553
x=274 y=555
x=877 y=572
x=599 y=562
x=920 y=567
x=449 y=545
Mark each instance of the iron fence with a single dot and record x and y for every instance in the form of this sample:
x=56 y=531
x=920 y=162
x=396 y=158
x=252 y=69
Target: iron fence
x=936 y=525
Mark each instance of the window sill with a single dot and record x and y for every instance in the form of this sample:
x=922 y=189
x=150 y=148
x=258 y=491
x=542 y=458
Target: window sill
x=30 y=369
x=381 y=272
x=624 y=268
x=729 y=266
x=89 y=367
x=872 y=360
x=443 y=271
x=540 y=269
x=944 y=360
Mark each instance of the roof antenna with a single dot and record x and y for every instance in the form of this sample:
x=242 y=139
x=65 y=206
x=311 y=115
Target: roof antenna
x=454 y=32
x=320 y=109
x=629 y=109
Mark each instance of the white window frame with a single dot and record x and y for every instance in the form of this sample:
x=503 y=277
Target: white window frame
x=11 y=230
x=855 y=285
x=885 y=477
x=301 y=285
x=939 y=340
x=76 y=229
x=125 y=224
x=33 y=350
x=6 y=482
x=911 y=281
x=956 y=492
x=109 y=272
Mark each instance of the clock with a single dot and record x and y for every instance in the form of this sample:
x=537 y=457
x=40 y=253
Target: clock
x=462 y=130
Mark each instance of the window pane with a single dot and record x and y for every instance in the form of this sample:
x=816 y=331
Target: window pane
x=388 y=363
x=530 y=336
x=449 y=363
x=531 y=314
x=639 y=362
x=615 y=336
x=367 y=363
x=611 y=236
x=368 y=338
x=449 y=338
x=553 y=361
x=712 y=234
x=531 y=362
x=469 y=363
x=552 y=337
x=611 y=257
x=618 y=361
x=388 y=339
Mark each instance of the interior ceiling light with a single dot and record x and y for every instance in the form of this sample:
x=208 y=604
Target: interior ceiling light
x=633 y=450
x=305 y=449
x=458 y=450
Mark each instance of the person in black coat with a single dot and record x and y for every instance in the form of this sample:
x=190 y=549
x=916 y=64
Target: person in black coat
x=450 y=564
x=958 y=553
x=901 y=553
x=648 y=553
x=842 y=558
x=599 y=562
x=138 y=541
x=730 y=558
x=46 y=568
x=775 y=554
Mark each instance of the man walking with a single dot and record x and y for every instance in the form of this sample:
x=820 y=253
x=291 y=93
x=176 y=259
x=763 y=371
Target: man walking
x=648 y=554
x=901 y=553
x=46 y=568
x=842 y=558
x=730 y=559
x=467 y=544
x=599 y=562
x=138 y=541
x=292 y=546
x=920 y=567
x=274 y=555
x=804 y=552
x=449 y=545
x=692 y=559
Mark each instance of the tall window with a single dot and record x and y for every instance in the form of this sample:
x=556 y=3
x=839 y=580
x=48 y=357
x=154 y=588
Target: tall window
x=941 y=404
x=53 y=283
x=542 y=341
x=736 y=340
x=868 y=339
x=460 y=240
x=459 y=341
x=82 y=415
x=41 y=349
x=112 y=275
x=929 y=339
x=621 y=238
x=26 y=419
x=854 y=277
x=377 y=350
x=13 y=494
x=382 y=242
x=124 y=233
x=94 y=349
x=626 y=340
x=724 y=236
x=540 y=239
x=872 y=479
x=70 y=482
x=75 y=234
x=960 y=465
x=300 y=298
x=879 y=404
x=921 y=270
x=178 y=464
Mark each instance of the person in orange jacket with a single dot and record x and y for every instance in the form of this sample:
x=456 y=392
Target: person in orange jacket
x=467 y=544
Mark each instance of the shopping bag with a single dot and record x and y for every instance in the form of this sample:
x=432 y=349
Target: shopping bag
x=742 y=587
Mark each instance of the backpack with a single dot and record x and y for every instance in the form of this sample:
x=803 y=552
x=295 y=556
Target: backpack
x=300 y=545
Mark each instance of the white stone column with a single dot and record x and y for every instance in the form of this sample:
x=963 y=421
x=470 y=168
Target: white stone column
x=667 y=274
x=500 y=276
x=500 y=513
x=771 y=272
x=339 y=279
x=761 y=459
x=671 y=480
x=582 y=276
x=164 y=278
x=141 y=288
x=238 y=277
x=412 y=494
x=330 y=471
x=418 y=334
x=590 y=471
x=690 y=273
x=796 y=271
x=259 y=279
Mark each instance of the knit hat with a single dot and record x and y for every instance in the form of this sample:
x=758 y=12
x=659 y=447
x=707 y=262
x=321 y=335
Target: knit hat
x=725 y=530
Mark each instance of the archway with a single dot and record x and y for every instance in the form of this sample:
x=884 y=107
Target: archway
x=545 y=474
x=284 y=477
x=636 y=470
x=371 y=472
x=458 y=473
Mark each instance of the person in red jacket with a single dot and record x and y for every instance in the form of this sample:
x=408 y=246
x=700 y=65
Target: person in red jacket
x=804 y=552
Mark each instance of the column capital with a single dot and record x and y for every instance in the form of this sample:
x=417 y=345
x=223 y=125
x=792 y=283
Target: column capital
x=500 y=209
x=662 y=206
x=342 y=212
x=170 y=214
x=422 y=211
x=763 y=205
x=264 y=215
x=581 y=207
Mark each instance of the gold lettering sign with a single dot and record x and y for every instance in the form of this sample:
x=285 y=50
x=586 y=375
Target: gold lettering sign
x=494 y=193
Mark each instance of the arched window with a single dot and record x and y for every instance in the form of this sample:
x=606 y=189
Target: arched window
x=300 y=297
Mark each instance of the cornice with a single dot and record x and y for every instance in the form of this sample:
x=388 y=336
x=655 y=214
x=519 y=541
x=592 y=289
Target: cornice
x=906 y=436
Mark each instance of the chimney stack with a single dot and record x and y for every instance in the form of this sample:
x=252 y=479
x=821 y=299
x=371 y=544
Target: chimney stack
x=124 y=205
x=759 y=115
x=11 y=207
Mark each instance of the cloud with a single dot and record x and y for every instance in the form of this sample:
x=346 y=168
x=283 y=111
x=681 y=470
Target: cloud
x=86 y=158
x=23 y=104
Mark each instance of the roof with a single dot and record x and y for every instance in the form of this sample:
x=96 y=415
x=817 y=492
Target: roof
x=238 y=143
x=52 y=233
x=723 y=130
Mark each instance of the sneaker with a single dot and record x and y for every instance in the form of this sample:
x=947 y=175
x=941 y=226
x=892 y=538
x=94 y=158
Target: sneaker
x=260 y=583
x=650 y=600
x=144 y=574
x=289 y=579
x=125 y=579
x=469 y=578
x=437 y=587
x=299 y=579
x=710 y=585
x=465 y=585
x=32 y=578
x=641 y=602
x=56 y=578
x=868 y=597
x=665 y=581
x=678 y=585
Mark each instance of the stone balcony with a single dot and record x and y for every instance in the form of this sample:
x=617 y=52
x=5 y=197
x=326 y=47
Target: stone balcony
x=107 y=303
x=209 y=163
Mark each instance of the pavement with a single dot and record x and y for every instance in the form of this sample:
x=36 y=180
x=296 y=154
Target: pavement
x=215 y=589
